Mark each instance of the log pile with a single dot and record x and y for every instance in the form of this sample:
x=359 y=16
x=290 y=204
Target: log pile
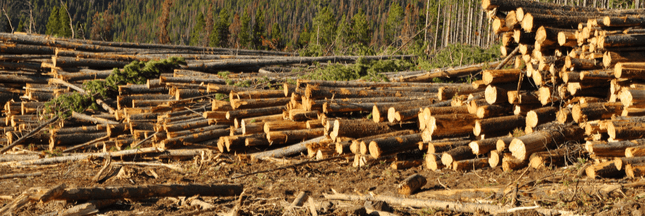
x=580 y=83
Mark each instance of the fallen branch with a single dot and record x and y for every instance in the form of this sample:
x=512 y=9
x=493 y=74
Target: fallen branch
x=20 y=175
x=286 y=151
x=178 y=169
x=147 y=191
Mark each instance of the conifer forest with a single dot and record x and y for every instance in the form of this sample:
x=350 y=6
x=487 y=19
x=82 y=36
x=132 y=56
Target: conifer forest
x=322 y=107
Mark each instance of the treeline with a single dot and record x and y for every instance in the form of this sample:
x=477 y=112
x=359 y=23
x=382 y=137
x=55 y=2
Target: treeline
x=323 y=27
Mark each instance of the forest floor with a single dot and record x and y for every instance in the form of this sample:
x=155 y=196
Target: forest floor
x=269 y=193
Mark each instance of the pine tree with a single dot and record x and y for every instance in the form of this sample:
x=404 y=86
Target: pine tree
x=360 y=32
x=244 y=35
x=21 y=26
x=259 y=29
x=234 y=28
x=394 y=23
x=63 y=19
x=342 y=33
x=324 y=27
x=197 y=31
x=304 y=37
x=53 y=24
x=276 y=37
x=220 y=34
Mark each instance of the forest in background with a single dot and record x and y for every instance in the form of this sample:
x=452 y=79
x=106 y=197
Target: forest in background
x=320 y=27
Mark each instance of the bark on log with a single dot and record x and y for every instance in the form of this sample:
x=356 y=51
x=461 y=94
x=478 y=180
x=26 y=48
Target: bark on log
x=286 y=151
x=611 y=149
x=637 y=151
x=522 y=147
x=510 y=163
x=540 y=116
x=623 y=40
x=357 y=128
x=604 y=170
x=500 y=76
x=273 y=126
x=145 y=191
x=247 y=113
x=487 y=111
x=449 y=125
x=629 y=70
x=361 y=145
x=445 y=145
x=390 y=145
x=498 y=125
x=293 y=136
x=635 y=170
x=593 y=111
x=180 y=141
x=556 y=157
x=411 y=184
x=470 y=164
x=460 y=153
x=484 y=146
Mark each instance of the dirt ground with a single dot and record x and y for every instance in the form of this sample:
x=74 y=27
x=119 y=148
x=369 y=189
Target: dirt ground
x=269 y=193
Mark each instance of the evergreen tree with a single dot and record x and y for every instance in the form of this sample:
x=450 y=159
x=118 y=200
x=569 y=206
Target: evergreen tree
x=53 y=24
x=324 y=27
x=304 y=37
x=276 y=37
x=259 y=29
x=360 y=32
x=342 y=33
x=394 y=23
x=244 y=35
x=63 y=20
x=21 y=26
x=196 y=33
x=220 y=34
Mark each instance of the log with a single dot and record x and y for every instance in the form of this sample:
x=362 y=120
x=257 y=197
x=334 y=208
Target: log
x=563 y=115
x=510 y=163
x=293 y=136
x=629 y=130
x=444 y=145
x=383 y=146
x=449 y=125
x=637 y=151
x=488 y=111
x=594 y=111
x=610 y=58
x=500 y=76
x=361 y=145
x=283 y=125
x=622 y=40
x=540 y=116
x=621 y=162
x=507 y=5
x=433 y=161
x=532 y=21
x=556 y=157
x=495 y=95
x=247 y=113
x=145 y=191
x=604 y=170
x=406 y=164
x=494 y=158
x=448 y=72
x=469 y=164
x=484 y=146
x=632 y=97
x=446 y=93
x=180 y=141
x=382 y=112
x=498 y=125
x=286 y=151
x=629 y=70
x=611 y=149
x=456 y=154
x=411 y=184
x=357 y=128
x=522 y=147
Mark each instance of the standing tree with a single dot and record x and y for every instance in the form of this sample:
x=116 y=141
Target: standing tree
x=394 y=22
x=53 y=24
x=220 y=34
x=209 y=26
x=198 y=30
x=235 y=29
x=164 y=38
x=258 y=29
x=102 y=26
x=361 y=32
x=244 y=35
x=277 y=41
x=342 y=34
x=65 y=28
x=304 y=37
x=21 y=26
x=325 y=27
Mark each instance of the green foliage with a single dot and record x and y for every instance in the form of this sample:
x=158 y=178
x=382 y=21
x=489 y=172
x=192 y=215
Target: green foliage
x=21 y=26
x=63 y=105
x=363 y=69
x=65 y=29
x=343 y=33
x=312 y=49
x=394 y=23
x=245 y=37
x=197 y=32
x=259 y=31
x=325 y=27
x=135 y=73
x=277 y=40
x=360 y=32
x=54 y=22
x=219 y=36
x=304 y=37
x=452 y=56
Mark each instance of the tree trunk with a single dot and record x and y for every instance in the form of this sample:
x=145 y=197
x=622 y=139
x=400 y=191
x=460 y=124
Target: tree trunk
x=456 y=154
x=498 y=125
x=540 y=116
x=357 y=128
x=390 y=145
x=286 y=151
x=470 y=164
x=293 y=136
x=411 y=184
x=522 y=147
x=484 y=146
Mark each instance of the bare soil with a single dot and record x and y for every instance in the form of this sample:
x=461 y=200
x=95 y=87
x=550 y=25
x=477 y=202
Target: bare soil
x=271 y=192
